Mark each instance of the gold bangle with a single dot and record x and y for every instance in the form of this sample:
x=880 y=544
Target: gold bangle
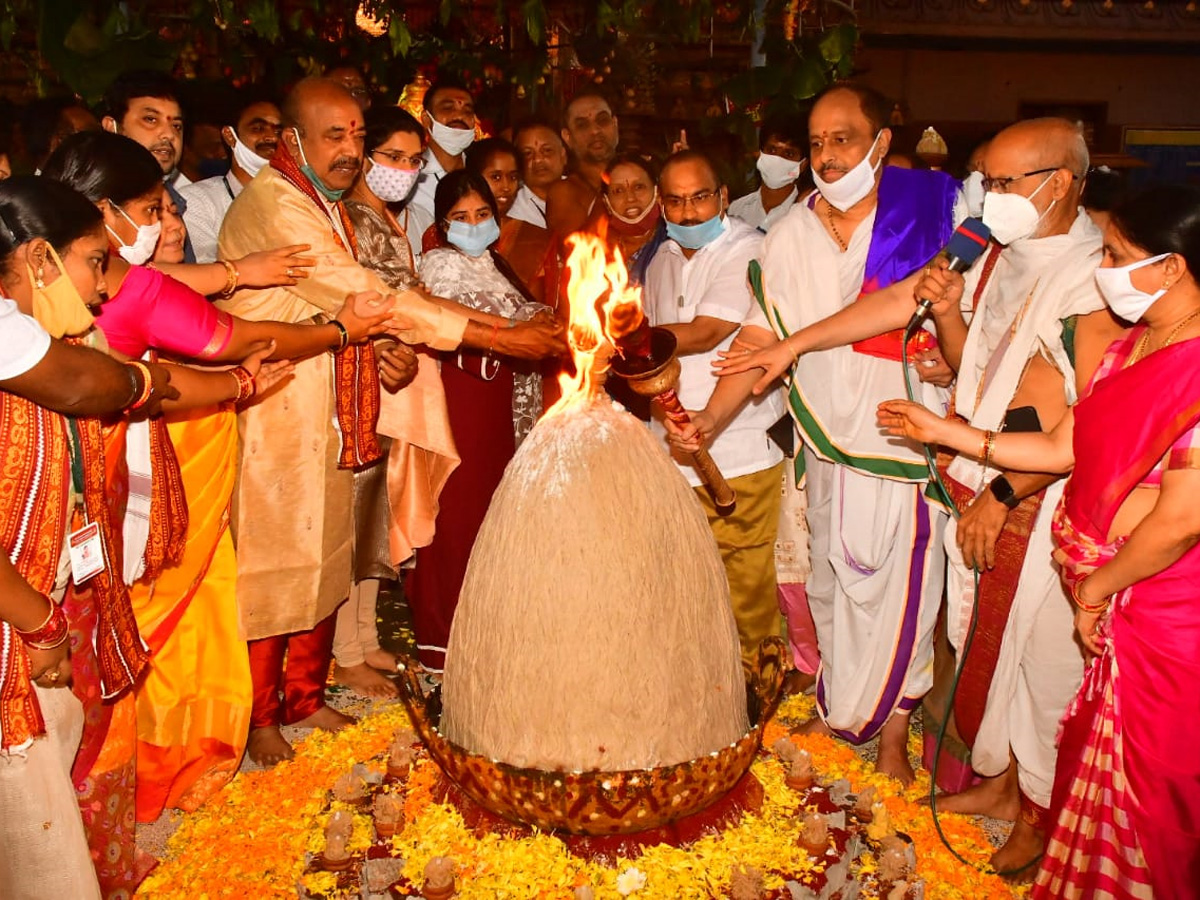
x=989 y=444
x=232 y=281
x=1087 y=607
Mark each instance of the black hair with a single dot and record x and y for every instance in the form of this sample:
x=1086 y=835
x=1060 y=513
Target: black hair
x=438 y=86
x=453 y=188
x=481 y=151
x=788 y=129
x=1164 y=218
x=104 y=166
x=41 y=120
x=138 y=83
x=646 y=163
x=32 y=206
x=382 y=121
x=532 y=123
x=684 y=156
x=1102 y=190
x=875 y=107
x=243 y=100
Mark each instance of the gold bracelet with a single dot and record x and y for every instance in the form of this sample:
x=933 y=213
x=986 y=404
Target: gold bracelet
x=1087 y=607
x=232 y=282
x=989 y=442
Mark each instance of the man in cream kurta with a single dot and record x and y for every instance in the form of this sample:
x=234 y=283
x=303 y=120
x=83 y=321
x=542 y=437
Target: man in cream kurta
x=1015 y=354
x=292 y=513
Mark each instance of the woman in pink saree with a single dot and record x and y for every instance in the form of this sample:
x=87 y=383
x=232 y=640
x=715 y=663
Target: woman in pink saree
x=1127 y=788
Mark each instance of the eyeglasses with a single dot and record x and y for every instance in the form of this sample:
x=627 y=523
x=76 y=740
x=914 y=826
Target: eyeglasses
x=401 y=160
x=1001 y=185
x=675 y=203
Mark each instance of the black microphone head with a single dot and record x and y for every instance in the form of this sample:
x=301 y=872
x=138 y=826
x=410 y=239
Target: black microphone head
x=967 y=243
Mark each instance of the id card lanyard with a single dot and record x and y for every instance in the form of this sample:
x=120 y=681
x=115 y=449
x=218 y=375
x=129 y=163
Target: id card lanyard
x=83 y=544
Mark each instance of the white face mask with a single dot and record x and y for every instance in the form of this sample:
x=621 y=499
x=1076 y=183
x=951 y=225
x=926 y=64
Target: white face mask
x=777 y=171
x=389 y=184
x=143 y=245
x=1120 y=294
x=853 y=186
x=453 y=140
x=250 y=161
x=973 y=194
x=1012 y=217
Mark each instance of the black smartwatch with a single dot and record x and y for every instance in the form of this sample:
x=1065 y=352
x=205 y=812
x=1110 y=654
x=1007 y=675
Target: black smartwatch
x=1003 y=492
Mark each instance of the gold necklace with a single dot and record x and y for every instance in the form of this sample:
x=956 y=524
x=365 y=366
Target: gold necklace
x=1139 y=349
x=837 y=235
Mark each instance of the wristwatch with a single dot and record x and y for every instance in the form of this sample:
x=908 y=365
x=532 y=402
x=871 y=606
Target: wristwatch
x=1003 y=492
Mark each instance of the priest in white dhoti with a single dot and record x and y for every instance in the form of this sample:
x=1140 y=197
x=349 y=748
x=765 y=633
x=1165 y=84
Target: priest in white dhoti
x=876 y=554
x=1034 y=312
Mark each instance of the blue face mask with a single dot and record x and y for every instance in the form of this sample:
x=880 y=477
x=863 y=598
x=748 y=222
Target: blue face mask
x=473 y=240
x=328 y=193
x=693 y=237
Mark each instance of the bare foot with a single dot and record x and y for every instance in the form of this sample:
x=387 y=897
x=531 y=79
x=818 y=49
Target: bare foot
x=996 y=797
x=327 y=719
x=797 y=682
x=1016 y=860
x=893 y=750
x=268 y=747
x=815 y=725
x=364 y=680
x=382 y=660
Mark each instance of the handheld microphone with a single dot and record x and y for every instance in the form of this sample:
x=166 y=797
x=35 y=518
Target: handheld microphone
x=965 y=246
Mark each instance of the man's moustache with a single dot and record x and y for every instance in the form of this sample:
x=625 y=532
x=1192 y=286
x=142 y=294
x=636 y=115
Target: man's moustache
x=346 y=161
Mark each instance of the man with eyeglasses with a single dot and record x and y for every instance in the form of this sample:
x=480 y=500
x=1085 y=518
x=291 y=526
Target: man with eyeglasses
x=1037 y=326
x=696 y=288
x=449 y=115
x=780 y=164
x=837 y=283
x=251 y=136
x=591 y=133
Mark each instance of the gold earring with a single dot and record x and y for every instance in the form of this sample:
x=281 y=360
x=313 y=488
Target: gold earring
x=41 y=273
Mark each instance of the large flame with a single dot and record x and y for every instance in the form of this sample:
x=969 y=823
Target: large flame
x=604 y=307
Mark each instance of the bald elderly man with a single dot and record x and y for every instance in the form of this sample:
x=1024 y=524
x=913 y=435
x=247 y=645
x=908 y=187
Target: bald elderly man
x=1037 y=328
x=300 y=445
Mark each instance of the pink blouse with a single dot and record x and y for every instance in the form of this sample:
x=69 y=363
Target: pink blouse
x=154 y=311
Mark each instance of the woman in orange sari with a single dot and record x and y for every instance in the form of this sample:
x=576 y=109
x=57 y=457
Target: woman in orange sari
x=1126 y=799
x=190 y=720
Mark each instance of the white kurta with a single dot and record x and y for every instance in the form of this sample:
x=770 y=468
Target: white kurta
x=1034 y=286
x=877 y=564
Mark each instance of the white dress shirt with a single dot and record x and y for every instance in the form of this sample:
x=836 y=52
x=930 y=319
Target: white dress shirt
x=207 y=203
x=750 y=210
x=713 y=283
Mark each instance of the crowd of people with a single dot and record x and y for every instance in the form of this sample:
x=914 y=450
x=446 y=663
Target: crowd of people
x=233 y=406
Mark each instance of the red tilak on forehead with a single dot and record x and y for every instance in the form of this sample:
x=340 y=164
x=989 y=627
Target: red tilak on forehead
x=353 y=123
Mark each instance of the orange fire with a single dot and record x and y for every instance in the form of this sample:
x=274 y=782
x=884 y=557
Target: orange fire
x=603 y=308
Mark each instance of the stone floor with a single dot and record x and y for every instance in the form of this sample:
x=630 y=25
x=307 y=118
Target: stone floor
x=395 y=634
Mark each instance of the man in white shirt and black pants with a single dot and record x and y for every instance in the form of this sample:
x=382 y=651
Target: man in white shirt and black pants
x=697 y=288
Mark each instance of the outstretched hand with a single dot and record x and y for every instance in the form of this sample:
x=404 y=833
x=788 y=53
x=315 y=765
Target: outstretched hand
x=364 y=315
x=776 y=360
x=903 y=418
x=273 y=268
x=266 y=374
